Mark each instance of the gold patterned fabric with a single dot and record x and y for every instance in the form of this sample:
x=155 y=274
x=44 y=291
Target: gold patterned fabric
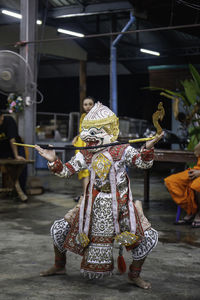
x=126 y=238
x=98 y=123
x=101 y=166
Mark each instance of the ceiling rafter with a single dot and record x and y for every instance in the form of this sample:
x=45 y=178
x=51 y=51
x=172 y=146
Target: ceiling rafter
x=91 y=9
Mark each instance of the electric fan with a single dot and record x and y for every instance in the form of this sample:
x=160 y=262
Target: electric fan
x=15 y=73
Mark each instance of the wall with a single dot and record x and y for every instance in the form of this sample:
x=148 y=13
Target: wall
x=62 y=95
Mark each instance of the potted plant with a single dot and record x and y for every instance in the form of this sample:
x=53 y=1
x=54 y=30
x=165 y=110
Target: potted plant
x=190 y=98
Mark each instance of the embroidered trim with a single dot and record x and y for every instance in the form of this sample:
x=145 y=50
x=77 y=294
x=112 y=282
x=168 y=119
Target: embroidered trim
x=139 y=230
x=89 y=204
x=70 y=167
x=115 y=151
x=100 y=122
x=102 y=239
x=87 y=155
x=60 y=262
x=147 y=244
x=135 y=157
x=57 y=166
x=134 y=272
x=59 y=231
x=147 y=154
x=70 y=241
x=112 y=178
x=98 y=268
x=98 y=275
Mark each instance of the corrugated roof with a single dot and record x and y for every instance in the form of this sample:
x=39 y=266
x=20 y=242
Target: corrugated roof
x=175 y=46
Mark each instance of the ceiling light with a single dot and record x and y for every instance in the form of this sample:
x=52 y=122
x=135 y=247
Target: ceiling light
x=150 y=52
x=74 y=15
x=70 y=32
x=16 y=15
x=12 y=14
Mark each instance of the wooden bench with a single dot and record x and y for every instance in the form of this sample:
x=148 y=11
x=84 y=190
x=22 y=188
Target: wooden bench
x=13 y=168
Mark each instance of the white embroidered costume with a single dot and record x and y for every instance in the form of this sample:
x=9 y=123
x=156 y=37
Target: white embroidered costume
x=107 y=209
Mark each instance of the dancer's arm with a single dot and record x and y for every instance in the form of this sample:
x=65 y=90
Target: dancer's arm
x=74 y=165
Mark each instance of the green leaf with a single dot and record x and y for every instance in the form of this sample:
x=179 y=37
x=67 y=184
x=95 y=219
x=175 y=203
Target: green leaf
x=193 y=142
x=194 y=131
x=196 y=77
x=183 y=97
x=190 y=90
x=180 y=94
x=154 y=88
x=194 y=134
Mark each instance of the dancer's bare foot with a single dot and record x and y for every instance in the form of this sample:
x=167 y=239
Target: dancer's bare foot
x=138 y=281
x=53 y=271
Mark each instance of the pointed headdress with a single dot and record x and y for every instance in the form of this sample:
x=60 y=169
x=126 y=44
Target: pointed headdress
x=101 y=116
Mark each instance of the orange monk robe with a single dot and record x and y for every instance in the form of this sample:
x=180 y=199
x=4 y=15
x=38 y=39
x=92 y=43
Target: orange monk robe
x=182 y=189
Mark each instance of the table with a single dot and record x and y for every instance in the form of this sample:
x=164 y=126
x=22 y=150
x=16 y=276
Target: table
x=162 y=155
x=13 y=168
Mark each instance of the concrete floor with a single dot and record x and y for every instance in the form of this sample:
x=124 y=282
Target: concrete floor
x=173 y=267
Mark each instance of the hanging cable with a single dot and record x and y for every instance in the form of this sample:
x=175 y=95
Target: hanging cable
x=107 y=34
x=191 y=5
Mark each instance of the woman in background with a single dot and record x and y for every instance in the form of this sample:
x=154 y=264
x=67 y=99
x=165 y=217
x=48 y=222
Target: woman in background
x=83 y=175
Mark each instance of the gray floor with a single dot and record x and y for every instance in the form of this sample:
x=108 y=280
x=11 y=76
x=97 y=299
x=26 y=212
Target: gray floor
x=173 y=267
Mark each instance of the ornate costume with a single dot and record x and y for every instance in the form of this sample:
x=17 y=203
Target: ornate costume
x=107 y=211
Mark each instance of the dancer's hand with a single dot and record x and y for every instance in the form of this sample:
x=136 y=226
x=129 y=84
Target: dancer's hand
x=50 y=155
x=150 y=144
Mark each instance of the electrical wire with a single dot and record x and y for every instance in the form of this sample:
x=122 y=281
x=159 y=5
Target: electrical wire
x=41 y=97
x=107 y=34
x=191 y=5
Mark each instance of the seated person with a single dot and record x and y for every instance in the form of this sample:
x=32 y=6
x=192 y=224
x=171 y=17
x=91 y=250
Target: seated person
x=8 y=135
x=184 y=188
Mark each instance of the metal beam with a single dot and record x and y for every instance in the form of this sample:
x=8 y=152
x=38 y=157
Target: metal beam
x=92 y=9
x=113 y=66
x=27 y=120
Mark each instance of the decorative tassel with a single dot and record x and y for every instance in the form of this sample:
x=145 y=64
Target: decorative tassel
x=83 y=239
x=120 y=261
x=126 y=238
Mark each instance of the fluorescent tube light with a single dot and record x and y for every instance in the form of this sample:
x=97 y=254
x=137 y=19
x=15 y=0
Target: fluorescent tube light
x=150 y=52
x=11 y=13
x=70 y=32
x=74 y=15
x=16 y=15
